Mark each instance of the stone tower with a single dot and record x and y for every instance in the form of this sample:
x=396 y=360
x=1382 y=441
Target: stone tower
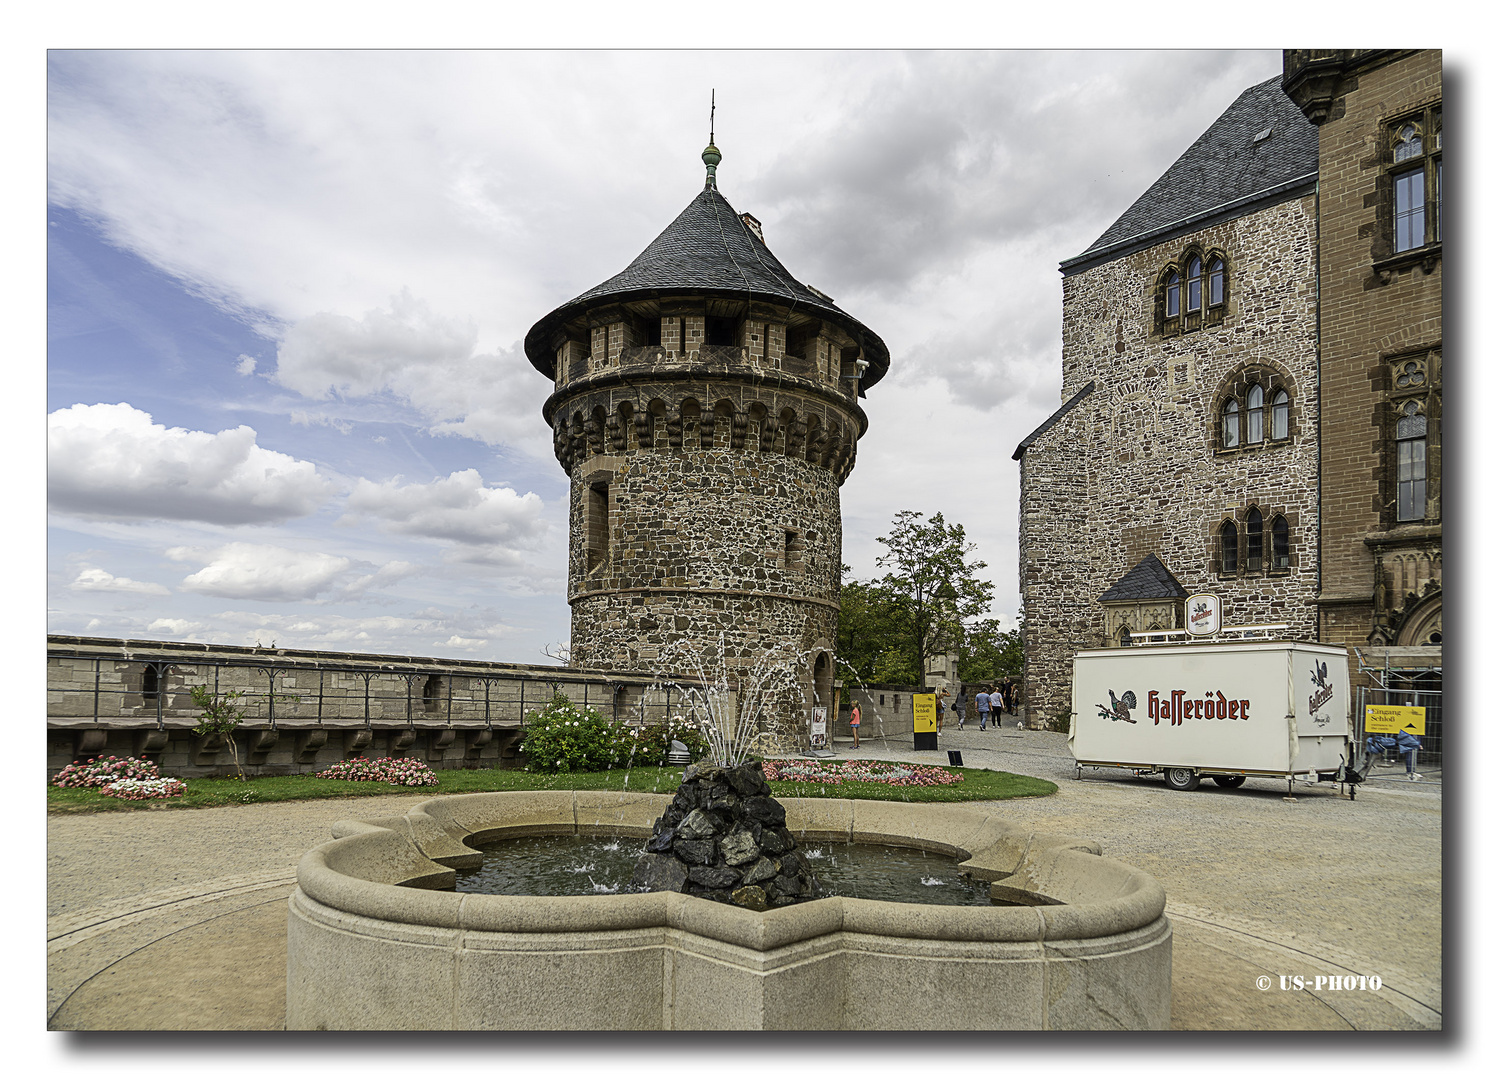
x=705 y=407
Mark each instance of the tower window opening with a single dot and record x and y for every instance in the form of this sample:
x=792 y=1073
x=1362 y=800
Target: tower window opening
x=432 y=693
x=598 y=525
x=791 y=551
x=720 y=331
x=651 y=332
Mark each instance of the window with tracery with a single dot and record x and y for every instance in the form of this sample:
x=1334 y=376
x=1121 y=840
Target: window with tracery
x=1255 y=412
x=1191 y=292
x=1257 y=542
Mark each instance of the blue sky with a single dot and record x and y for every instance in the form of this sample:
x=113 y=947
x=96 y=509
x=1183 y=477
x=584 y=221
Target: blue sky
x=286 y=293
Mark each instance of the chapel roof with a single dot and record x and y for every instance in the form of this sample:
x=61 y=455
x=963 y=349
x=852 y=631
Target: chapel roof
x=1229 y=171
x=708 y=250
x=1148 y=580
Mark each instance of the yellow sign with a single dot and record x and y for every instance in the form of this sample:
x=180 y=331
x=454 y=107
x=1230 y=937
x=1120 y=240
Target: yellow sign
x=1389 y=719
x=925 y=711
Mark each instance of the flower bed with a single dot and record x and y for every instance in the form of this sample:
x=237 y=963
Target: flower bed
x=895 y=773
x=404 y=771
x=163 y=787
x=101 y=772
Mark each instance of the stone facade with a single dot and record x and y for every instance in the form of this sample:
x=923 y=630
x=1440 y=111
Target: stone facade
x=1381 y=347
x=1145 y=462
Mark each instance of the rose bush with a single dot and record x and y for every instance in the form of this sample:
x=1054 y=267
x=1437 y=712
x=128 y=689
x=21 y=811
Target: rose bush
x=895 y=773
x=404 y=771
x=100 y=772
x=163 y=787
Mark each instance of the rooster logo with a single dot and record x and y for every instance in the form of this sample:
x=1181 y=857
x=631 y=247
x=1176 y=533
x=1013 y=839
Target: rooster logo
x=1121 y=707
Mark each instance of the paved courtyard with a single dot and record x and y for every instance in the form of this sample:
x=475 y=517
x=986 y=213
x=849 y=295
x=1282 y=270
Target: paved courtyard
x=176 y=919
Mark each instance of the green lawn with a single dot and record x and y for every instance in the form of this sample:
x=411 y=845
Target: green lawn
x=976 y=784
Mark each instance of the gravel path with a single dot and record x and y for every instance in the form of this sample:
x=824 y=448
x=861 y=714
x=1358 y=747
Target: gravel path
x=175 y=919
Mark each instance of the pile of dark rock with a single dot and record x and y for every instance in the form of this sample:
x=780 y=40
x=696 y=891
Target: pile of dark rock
x=724 y=838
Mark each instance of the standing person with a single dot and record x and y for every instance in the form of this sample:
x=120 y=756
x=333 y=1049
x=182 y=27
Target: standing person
x=853 y=719
x=995 y=702
x=984 y=703
x=943 y=706
x=960 y=707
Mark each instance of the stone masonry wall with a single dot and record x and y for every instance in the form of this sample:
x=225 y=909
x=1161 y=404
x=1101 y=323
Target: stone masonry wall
x=1139 y=467
x=1374 y=320
x=305 y=710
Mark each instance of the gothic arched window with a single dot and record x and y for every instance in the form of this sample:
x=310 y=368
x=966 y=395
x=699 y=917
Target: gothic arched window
x=1196 y=283
x=1217 y=281
x=1254 y=539
x=1228 y=548
x=1411 y=464
x=1280 y=402
x=1254 y=414
x=1281 y=553
x=1230 y=425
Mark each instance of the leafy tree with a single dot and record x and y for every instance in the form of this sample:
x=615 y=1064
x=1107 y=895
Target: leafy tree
x=990 y=654
x=924 y=604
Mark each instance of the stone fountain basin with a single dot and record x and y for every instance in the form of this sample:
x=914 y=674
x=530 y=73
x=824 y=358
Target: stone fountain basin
x=366 y=951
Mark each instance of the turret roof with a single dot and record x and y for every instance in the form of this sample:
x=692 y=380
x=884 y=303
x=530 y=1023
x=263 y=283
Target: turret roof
x=708 y=250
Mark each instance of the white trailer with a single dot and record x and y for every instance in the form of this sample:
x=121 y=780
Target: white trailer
x=1226 y=711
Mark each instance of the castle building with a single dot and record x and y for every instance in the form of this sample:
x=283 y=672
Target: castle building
x=1184 y=458
x=1379 y=114
x=706 y=409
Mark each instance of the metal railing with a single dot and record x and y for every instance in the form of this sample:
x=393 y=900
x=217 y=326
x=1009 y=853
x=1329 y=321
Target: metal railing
x=1426 y=696
x=307 y=693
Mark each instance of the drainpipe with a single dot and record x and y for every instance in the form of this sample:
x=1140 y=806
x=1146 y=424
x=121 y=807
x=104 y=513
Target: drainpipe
x=1318 y=419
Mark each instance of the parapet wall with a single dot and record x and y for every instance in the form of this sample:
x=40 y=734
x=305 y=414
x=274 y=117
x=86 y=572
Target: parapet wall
x=306 y=710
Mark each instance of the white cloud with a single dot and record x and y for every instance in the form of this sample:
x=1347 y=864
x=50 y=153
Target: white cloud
x=114 y=461
x=246 y=364
x=92 y=579
x=428 y=360
x=242 y=571
x=178 y=628
x=488 y=524
x=457 y=642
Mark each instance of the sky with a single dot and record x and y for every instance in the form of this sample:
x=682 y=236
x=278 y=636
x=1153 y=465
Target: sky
x=286 y=293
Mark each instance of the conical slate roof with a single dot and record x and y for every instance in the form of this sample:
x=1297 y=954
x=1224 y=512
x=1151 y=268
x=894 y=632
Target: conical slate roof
x=1227 y=171
x=707 y=250
x=1148 y=580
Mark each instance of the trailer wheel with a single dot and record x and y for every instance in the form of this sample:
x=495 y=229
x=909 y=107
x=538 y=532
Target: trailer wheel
x=1230 y=781
x=1181 y=779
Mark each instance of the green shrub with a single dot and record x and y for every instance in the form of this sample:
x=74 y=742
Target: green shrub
x=563 y=737
x=1059 y=722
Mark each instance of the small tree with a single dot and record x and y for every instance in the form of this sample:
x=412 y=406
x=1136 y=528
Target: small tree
x=220 y=716
x=991 y=654
x=931 y=588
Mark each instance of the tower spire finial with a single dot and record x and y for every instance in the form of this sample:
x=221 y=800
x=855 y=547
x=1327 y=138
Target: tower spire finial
x=711 y=155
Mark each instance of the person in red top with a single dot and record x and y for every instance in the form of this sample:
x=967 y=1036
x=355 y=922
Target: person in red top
x=853 y=719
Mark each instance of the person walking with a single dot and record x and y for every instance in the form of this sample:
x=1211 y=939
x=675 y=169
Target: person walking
x=984 y=703
x=853 y=719
x=960 y=707
x=943 y=703
x=995 y=705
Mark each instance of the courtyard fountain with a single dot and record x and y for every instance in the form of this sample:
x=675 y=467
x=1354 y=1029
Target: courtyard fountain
x=378 y=939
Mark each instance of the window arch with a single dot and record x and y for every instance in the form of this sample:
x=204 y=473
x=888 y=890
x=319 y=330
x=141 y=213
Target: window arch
x=1281 y=551
x=1194 y=281
x=1254 y=543
x=1191 y=291
x=1230 y=425
x=1254 y=414
x=1411 y=464
x=1228 y=547
x=1253 y=409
